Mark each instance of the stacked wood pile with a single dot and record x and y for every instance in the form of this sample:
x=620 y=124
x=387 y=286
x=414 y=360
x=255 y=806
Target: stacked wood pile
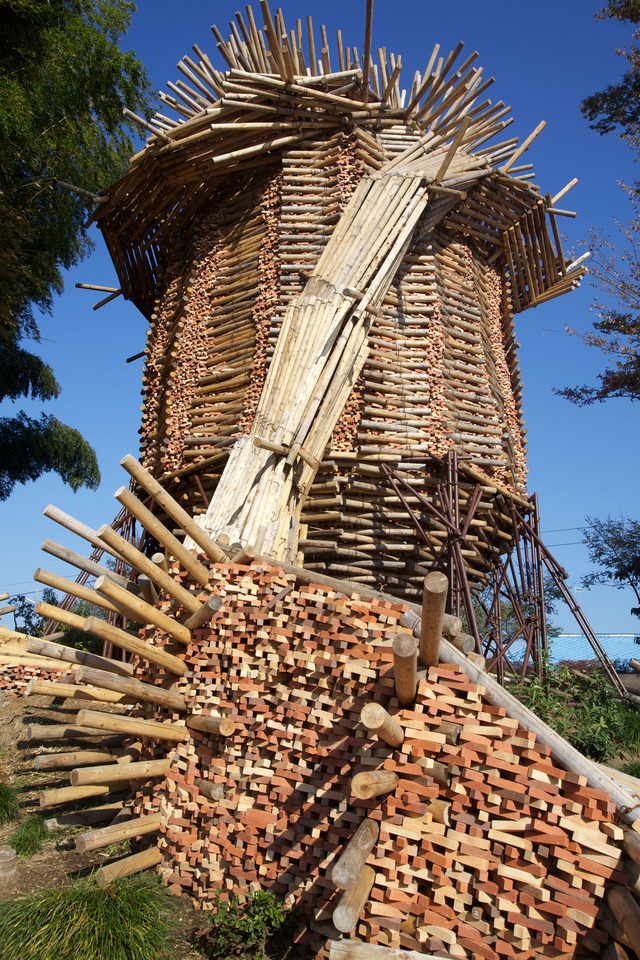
x=18 y=666
x=291 y=735
x=260 y=177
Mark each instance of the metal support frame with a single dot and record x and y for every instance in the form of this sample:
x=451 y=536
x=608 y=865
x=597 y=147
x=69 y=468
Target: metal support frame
x=514 y=581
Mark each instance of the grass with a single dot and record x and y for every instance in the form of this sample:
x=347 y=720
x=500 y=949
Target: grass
x=10 y=804
x=130 y=919
x=632 y=768
x=29 y=836
x=583 y=707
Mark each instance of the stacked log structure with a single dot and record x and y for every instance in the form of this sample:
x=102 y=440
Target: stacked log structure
x=280 y=729
x=290 y=355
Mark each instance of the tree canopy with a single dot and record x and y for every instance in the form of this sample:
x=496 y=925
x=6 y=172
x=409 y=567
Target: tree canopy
x=63 y=85
x=615 y=268
x=614 y=547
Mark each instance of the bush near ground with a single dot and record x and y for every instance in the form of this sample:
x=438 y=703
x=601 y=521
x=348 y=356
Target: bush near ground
x=579 y=702
x=130 y=919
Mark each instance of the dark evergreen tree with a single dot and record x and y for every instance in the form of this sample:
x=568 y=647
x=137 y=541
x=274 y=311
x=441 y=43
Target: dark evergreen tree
x=63 y=85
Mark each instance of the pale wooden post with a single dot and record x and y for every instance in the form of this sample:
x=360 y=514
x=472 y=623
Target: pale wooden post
x=405 y=669
x=364 y=786
x=354 y=856
x=218 y=726
x=352 y=901
x=376 y=719
x=434 y=598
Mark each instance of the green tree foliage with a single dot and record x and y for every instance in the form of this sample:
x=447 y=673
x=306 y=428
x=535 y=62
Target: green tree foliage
x=617 y=107
x=616 y=274
x=63 y=85
x=614 y=546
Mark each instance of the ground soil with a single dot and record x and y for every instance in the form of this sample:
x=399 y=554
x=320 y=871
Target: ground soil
x=58 y=862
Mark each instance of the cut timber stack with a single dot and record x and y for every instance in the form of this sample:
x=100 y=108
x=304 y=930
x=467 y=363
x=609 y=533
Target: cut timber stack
x=269 y=750
x=18 y=665
x=342 y=296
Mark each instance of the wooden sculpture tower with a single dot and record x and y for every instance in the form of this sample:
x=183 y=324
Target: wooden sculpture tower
x=330 y=268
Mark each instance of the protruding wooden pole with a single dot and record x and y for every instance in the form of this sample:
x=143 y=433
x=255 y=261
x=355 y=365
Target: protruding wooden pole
x=58 y=651
x=141 y=611
x=61 y=731
x=69 y=691
x=405 y=669
x=626 y=910
x=73 y=758
x=218 y=726
x=82 y=818
x=346 y=869
x=364 y=786
x=378 y=721
x=130 y=643
x=434 y=598
x=116 y=833
x=175 y=511
x=114 y=772
x=144 y=565
x=51 y=798
x=440 y=810
x=164 y=537
x=128 y=865
x=205 y=613
x=145 y=729
x=352 y=901
x=137 y=689
x=213 y=791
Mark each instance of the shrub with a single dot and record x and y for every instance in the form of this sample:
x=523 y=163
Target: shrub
x=242 y=929
x=127 y=920
x=9 y=804
x=28 y=836
x=584 y=708
x=632 y=768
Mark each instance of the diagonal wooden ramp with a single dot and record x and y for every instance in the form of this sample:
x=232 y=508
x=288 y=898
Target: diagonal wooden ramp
x=321 y=349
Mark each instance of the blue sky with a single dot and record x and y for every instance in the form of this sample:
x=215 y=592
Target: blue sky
x=545 y=58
